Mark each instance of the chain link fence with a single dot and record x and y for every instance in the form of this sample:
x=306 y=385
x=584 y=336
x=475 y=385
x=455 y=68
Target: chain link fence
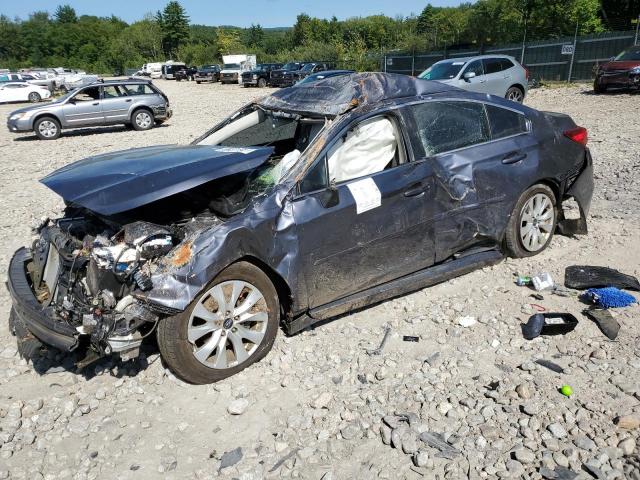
x=569 y=58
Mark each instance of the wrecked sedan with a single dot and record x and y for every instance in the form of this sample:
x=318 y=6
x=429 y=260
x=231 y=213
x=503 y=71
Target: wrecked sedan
x=309 y=203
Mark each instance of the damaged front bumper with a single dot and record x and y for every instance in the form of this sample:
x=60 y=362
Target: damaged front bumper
x=581 y=190
x=39 y=320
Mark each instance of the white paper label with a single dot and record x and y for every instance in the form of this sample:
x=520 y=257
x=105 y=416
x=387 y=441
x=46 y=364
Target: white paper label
x=366 y=194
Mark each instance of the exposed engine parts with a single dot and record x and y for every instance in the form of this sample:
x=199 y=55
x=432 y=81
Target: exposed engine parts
x=85 y=268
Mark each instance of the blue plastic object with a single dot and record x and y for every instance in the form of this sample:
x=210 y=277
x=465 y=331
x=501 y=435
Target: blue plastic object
x=610 y=297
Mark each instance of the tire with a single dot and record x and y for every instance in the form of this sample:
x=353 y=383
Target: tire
x=526 y=218
x=142 y=119
x=262 y=83
x=198 y=82
x=515 y=94
x=598 y=88
x=47 y=128
x=179 y=352
x=34 y=97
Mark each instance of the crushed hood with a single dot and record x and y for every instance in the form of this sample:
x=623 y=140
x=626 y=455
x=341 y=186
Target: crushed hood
x=120 y=181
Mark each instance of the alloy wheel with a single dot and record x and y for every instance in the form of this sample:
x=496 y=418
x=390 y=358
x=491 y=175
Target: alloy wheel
x=228 y=324
x=536 y=222
x=48 y=129
x=143 y=120
x=34 y=97
x=515 y=95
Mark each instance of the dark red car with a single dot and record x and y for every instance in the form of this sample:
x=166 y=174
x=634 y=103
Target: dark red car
x=622 y=71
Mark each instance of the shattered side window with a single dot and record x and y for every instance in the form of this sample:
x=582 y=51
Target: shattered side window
x=505 y=123
x=445 y=126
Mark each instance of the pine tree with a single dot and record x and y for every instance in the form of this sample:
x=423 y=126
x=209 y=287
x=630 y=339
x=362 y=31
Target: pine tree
x=174 y=23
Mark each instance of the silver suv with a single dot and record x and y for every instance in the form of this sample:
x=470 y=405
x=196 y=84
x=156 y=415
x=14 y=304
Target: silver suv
x=132 y=102
x=499 y=75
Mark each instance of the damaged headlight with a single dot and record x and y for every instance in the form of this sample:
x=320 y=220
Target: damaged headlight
x=635 y=70
x=255 y=77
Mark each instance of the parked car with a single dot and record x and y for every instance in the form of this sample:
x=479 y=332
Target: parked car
x=623 y=71
x=170 y=68
x=138 y=103
x=22 y=92
x=11 y=77
x=283 y=214
x=499 y=75
x=310 y=69
x=208 y=73
x=322 y=75
x=234 y=66
x=72 y=82
x=259 y=76
x=284 y=76
x=187 y=73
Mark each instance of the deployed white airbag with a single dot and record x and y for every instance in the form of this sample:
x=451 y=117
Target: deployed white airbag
x=366 y=150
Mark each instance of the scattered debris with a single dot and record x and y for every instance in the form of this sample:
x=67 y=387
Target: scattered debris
x=280 y=462
x=610 y=297
x=605 y=322
x=378 y=351
x=410 y=338
x=229 y=459
x=560 y=473
x=523 y=281
x=542 y=281
x=581 y=277
x=537 y=296
x=549 y=324
x=566 y=390
x=436 y=441
x=550 y=365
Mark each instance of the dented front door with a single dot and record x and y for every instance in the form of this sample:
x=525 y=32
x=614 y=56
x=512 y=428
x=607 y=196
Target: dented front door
x=345 y=250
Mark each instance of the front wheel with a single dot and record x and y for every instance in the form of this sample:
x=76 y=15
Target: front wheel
x=142 y=120
x=598 y=87
x=47 y=128
x=228 y=327
x=34 y=97
x=532 y=223
x=515 y=95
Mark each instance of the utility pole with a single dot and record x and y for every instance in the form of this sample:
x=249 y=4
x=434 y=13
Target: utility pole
x=573 y=53
x=524 y=40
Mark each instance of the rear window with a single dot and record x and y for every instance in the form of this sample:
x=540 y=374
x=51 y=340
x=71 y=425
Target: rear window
x=138 y=89
x=445 y=126
x=495 y=65
x=505 y=123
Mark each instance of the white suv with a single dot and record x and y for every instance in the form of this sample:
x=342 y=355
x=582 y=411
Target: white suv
x=494 y=74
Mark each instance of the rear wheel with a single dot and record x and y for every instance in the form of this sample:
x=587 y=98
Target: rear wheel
x=598 y=87
x=228 y=327
x=142 y=120
x=532 y=223
x=34 y=97
x=515 y=94
x=47 y=128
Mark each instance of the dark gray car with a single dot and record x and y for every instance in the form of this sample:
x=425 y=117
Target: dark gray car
x=310 y=203
x=138 y=103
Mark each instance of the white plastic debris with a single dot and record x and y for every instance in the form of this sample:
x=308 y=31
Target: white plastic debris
x=467 y=321
x=542 y=281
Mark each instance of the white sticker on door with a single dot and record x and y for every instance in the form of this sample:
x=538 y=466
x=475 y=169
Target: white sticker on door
x=366 y=194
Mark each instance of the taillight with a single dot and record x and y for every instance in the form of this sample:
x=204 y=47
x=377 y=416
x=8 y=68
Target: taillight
x=578 y=135
x=526 y=73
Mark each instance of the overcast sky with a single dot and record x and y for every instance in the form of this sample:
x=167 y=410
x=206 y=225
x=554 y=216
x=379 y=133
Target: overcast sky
x=268 y=13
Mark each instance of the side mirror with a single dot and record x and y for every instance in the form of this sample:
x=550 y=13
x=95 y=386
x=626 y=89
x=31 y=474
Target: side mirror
x=611 y=59
x=469 y=75
x=330 y=197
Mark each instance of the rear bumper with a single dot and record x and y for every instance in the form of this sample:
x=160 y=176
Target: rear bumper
x=581 y=190
x=39 y=321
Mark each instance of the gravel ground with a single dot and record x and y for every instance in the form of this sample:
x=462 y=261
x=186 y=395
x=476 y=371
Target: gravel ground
x=318 y=406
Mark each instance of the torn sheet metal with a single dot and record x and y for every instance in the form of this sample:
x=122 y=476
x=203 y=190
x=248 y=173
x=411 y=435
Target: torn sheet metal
x=336 y=95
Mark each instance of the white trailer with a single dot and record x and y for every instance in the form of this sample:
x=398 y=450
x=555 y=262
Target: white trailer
x=234 y=65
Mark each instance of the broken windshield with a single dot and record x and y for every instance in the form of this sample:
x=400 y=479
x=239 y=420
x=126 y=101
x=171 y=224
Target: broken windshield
x=288 y=134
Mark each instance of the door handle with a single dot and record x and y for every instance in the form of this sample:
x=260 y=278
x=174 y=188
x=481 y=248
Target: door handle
x=513 y=157
x=128 y=100
x=416 y=190
x=96 y=103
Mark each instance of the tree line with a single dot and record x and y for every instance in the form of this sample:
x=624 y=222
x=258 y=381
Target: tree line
x=108 y=44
